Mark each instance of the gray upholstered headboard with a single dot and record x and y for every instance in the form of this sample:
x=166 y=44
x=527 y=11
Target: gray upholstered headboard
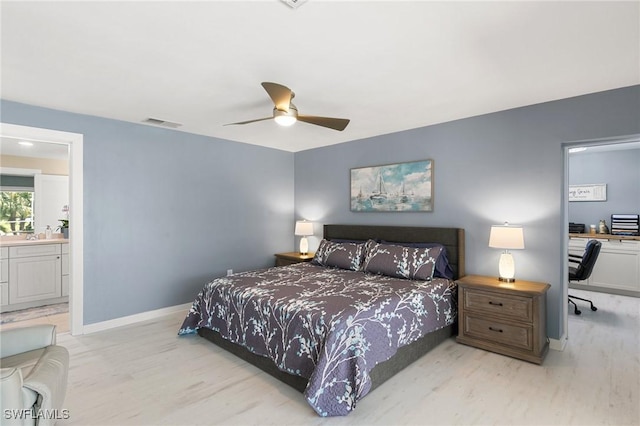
x=451 y=238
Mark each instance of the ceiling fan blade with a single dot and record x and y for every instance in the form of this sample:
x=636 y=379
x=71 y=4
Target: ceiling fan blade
x=279 y=94
x=249 y=121
x=332 y=123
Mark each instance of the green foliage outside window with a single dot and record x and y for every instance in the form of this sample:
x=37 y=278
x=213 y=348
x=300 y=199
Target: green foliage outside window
x=16 y=212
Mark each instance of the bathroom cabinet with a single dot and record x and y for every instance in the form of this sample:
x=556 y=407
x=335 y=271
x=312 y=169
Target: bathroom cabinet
x=33 y=274
x=4 y=276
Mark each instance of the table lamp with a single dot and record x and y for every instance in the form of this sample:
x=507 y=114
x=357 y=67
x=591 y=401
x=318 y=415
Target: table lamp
x=506 y=237
x=304 y=229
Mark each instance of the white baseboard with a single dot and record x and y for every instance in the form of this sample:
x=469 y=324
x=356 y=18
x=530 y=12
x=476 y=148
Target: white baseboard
x=558 y=344
x=132 y=319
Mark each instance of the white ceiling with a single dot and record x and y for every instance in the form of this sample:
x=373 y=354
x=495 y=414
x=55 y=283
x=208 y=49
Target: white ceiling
x=387 y=66
x=36 y=149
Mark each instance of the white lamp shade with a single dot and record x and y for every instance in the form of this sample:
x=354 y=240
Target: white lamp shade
x=506 y=237
x=304 y=228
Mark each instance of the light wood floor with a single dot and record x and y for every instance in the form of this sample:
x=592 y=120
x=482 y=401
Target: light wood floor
x=145 y=374
x=61 y=321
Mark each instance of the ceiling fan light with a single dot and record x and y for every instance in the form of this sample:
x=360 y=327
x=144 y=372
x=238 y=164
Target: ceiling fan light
x=285 y=120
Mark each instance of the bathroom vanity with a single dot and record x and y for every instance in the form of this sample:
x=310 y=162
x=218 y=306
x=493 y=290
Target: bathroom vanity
x=33 y=273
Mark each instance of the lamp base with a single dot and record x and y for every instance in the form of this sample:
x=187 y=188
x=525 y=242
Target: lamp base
x=506 y=268
x=304 y=246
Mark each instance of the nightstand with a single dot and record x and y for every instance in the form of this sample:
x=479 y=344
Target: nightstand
x=506 y=318
x=284 y=259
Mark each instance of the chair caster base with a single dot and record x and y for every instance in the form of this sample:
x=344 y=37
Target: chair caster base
x=577 y=312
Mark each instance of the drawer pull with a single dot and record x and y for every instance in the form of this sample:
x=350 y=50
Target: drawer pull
x=495 y=303
x=495 y=329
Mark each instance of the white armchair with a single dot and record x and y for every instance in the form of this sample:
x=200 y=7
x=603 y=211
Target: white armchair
x=33 y=376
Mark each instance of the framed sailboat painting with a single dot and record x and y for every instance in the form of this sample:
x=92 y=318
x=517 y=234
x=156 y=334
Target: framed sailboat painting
x=402 y=187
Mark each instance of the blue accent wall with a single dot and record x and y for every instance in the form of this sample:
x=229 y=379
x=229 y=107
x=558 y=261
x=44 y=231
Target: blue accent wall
x=505 y=166
x=167 y=211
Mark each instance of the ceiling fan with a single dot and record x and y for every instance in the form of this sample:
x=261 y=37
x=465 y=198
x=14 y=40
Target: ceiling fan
x=285 y=112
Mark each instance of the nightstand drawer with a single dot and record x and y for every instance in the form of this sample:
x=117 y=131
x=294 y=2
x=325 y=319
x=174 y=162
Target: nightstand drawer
x=284 y=259
x=507 y=334
x=516 y=307
x=508 y=319
x=285 y=262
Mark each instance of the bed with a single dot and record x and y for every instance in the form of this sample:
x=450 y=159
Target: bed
x=338 y=327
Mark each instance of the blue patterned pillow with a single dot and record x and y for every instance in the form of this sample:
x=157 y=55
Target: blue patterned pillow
x=402 y=262
x=443 y=269
x=340 y=255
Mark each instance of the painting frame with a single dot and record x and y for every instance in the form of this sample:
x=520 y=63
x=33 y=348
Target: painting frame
x=394 y=187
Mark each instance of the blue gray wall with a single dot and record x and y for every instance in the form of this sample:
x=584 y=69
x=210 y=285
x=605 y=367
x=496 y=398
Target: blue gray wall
x=139 y=179
x=166 y=211
x=487 y=169
x=620 y=170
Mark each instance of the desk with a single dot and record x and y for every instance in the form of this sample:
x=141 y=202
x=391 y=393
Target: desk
x=617 y=270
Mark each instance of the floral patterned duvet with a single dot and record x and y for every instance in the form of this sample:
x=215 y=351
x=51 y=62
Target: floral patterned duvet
x=329 y=325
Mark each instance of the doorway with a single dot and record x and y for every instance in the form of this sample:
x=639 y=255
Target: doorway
x=74 y=142
x=593 y=173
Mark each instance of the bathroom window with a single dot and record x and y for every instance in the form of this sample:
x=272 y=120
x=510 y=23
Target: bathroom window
x=16 y=212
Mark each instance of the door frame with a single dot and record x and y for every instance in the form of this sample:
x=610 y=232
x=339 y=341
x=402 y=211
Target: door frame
x=76 y=213
x=565 y=217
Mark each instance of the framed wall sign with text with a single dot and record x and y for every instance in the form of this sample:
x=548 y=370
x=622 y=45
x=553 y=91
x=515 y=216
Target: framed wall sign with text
x=594 y=192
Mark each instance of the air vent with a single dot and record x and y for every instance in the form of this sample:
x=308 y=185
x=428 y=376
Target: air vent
x=163 y=123
x=294 y=3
